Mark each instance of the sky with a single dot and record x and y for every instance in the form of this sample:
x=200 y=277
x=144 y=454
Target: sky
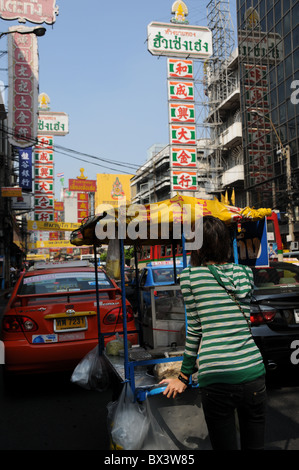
x=95 y=67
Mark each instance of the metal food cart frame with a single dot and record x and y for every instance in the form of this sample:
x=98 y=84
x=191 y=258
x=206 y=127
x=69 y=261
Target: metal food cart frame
x=124 y=369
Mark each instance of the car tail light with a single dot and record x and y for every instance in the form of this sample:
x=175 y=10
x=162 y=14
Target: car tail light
x=259 y=316
x=17 y=323
x=116 y=316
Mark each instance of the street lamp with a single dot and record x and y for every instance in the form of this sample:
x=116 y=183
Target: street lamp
x=37 y=30
x=285 y=152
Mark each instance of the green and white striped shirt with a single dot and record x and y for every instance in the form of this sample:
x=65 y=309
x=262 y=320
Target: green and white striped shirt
x=228 y=353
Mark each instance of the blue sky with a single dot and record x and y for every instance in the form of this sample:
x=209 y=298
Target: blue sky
x=94 y=65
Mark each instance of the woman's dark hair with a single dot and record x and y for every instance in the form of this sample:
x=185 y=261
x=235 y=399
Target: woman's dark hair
x=216 y=243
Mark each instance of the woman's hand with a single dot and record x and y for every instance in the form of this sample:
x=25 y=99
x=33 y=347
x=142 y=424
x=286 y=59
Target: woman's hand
x=174 y=387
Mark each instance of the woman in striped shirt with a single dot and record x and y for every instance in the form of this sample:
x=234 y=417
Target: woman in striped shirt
x=231 y=372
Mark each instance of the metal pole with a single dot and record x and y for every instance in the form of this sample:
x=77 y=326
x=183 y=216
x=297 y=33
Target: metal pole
x=124 y=309
x=140 y=332
x=100 y=336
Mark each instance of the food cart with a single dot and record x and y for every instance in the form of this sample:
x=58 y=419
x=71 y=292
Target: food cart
x=166 y=222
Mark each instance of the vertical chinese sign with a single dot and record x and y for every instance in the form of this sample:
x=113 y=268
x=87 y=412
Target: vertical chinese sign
x=181 y=43
x=50 y=124
x=44 y=180
x=25 y=169
x=182 y=126
x=84 y=188
x=23 y=88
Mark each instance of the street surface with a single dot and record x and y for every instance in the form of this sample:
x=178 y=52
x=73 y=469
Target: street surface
x=48 y=412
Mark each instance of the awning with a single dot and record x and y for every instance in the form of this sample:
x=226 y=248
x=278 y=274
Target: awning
x=157 y=223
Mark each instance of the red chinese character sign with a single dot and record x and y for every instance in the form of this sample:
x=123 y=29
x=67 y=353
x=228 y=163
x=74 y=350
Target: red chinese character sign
x=183 y=157
x=180 y=68
x=44 y=179
x=181 y=112
x=23 y=88
x=184 y=180
x=35 y=11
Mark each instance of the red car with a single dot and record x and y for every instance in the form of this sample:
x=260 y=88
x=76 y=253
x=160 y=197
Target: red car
x=50 y=322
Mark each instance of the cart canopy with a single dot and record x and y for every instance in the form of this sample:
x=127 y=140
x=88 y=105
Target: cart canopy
x=157 y=223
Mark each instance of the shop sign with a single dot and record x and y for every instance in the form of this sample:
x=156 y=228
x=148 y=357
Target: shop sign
x=11 y=192
x=185 y=41
x=180 y=68
x=44 y=142
x=55 y=123
x=44 y=216
x=48 y=226
x=44 y=171
x=184 y=180
x=43 y=156
x=82 y=185
x=22 y=202
x=23 y=88
x=58 y=206
x=44 y=202
x=43 y=187
x=180 y=90
x=183 y=157
x=35 y=11
x=25 y=169
x=181 y=112
x=182 y=135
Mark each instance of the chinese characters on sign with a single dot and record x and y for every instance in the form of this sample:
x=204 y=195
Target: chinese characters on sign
x=25 y=169
x=182 y=124
x=181 y=43
x=23 y=88
x=44 y=179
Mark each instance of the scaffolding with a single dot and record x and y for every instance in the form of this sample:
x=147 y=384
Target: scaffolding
x=218 y=82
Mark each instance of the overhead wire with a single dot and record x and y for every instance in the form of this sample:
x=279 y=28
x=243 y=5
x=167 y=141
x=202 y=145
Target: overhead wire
x=69 y=153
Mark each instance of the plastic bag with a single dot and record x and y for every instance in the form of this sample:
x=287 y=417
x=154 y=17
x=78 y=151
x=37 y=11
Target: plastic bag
x=156 y=438
x=113 y=259
x=128 y=422
x=91 y=373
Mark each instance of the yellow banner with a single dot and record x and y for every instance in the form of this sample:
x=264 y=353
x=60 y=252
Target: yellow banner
x=52 y=226
x=51 y=244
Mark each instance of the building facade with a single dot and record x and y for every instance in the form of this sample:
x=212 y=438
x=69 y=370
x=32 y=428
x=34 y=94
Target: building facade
x=268 y=37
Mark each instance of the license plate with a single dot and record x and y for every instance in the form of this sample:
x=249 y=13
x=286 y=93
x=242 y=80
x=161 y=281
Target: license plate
x=296 y=315
x=68 y=324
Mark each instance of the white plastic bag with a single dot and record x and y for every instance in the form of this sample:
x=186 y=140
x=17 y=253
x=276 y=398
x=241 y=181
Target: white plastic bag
x=91 y=373
x=128 y=422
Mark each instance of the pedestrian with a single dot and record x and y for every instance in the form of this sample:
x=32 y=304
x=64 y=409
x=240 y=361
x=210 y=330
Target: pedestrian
x=231 y=372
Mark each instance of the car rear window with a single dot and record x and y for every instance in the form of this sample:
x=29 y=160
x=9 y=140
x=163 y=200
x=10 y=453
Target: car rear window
x=63 y=282
x=273 y=277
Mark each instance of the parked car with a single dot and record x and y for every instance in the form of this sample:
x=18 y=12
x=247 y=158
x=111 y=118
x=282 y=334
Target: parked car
x=275 y=313
x=51 y=322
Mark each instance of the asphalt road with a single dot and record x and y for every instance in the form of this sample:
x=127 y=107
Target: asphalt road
x=48 y=412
